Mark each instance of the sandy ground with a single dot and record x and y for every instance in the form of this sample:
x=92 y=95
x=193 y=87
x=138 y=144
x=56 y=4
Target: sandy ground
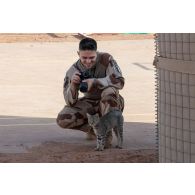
x=31 y=81
x=59 y=37
x=53 y=152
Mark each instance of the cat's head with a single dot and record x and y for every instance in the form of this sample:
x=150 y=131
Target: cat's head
x=93 y=119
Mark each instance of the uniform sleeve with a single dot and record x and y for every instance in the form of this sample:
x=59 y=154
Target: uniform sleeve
x=67 y=91
x=113 y=77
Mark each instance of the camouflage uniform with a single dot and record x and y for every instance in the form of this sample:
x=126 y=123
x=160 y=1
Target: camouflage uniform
x=103 y=95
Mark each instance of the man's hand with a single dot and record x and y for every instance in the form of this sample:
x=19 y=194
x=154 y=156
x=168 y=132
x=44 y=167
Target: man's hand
x=89 y=82
x=75 y=80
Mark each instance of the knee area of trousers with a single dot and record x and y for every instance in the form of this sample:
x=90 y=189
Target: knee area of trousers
x=109 y=91
x=109 y=94
x=63 y=120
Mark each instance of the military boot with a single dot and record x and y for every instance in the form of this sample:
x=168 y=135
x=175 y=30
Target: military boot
x=90 y=135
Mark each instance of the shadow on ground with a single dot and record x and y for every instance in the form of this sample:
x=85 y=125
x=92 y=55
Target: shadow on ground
x=142 y=66
x=30 y=139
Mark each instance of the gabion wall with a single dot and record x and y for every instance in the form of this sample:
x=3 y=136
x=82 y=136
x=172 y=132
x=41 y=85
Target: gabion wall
x=180 y=46
x=175 y=56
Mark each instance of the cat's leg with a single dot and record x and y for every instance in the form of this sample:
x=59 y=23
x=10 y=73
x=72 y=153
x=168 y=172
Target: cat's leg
x=100 y=143
x=108 y=139
x=115 y=129
x=119 y=132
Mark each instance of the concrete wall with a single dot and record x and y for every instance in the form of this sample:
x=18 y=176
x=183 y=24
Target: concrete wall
x=176 y=96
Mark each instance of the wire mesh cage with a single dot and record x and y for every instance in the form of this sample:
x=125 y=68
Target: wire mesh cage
x=175 y=91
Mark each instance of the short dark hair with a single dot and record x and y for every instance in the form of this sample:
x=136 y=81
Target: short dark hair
x=88 y=44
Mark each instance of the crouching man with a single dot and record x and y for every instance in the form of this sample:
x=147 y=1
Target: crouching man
x=96 y=75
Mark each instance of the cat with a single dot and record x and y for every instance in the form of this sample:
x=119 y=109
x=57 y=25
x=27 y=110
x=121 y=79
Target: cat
x=102 y=126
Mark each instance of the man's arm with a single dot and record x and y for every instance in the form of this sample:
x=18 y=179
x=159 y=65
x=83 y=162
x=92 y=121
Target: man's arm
x=70 y=89
x=113 y=77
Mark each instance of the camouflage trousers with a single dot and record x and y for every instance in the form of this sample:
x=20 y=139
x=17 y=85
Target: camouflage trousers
x=74 y=117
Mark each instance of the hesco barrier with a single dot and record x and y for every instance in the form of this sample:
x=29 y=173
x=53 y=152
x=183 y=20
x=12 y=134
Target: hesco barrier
x=175 y=88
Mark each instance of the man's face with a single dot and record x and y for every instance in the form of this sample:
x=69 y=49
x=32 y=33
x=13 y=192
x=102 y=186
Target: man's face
x=87 y=57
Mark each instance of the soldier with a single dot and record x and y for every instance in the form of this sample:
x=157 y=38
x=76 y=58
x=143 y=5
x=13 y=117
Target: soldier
x=102 y=93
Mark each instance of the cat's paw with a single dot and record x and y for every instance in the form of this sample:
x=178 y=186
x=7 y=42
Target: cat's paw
x=99 y=149
x=119 y=147
x=96 y=149
x=108 y=145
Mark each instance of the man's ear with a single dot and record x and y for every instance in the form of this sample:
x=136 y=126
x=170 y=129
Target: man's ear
x=78 y=53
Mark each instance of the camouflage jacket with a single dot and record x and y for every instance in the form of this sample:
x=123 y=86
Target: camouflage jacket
x=106 y=73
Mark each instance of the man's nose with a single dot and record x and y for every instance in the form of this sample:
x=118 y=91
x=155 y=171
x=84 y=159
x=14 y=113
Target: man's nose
x=88 y=61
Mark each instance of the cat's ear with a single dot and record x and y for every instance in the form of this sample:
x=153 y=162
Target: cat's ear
x=97 y=115
x=88 y=115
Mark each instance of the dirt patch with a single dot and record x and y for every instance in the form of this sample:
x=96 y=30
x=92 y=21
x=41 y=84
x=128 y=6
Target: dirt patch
x=60 y=37
x=53 y=152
